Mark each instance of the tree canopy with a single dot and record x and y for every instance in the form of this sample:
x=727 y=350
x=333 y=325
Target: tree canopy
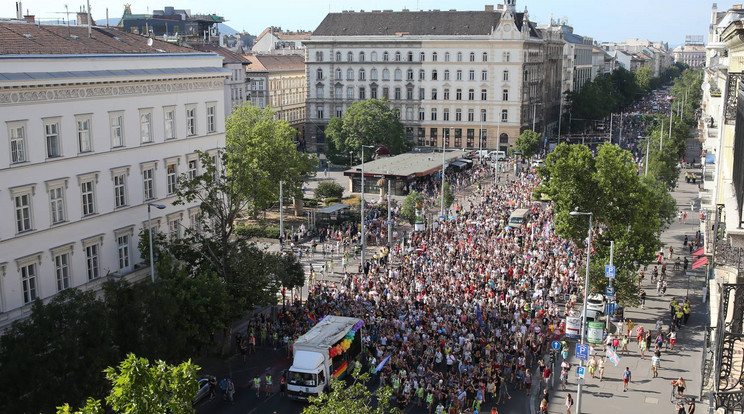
x=370 y=122
x=528 y=143
x=409 y=206
x=352 y=399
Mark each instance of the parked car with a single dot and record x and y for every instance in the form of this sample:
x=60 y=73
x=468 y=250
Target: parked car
x=595 y=306
x=202 y=392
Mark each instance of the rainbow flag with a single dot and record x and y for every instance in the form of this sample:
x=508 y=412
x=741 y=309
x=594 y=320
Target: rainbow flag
x=382 y=364
x=311 y=318
x=340 y=371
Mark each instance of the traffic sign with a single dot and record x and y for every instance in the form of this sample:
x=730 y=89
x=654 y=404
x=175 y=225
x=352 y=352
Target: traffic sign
x=582 y=352
x=610 y=291
x=556 y=345
x=609 y=272
x=580 y=372
x=610 y=308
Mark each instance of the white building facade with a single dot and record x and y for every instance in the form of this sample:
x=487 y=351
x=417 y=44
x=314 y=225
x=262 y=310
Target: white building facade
x=90 y=140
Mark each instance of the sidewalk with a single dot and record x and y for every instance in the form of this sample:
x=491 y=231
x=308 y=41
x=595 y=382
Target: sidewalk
x=647 y=394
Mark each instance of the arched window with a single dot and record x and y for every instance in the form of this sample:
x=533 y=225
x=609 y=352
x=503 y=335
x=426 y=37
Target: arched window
x=319 y=74
x=472 y=56
x=361 y=56
x=349 y=57
x=373 y=74
x=434 y=75
x=434 y=57
x=446 y=74
x=339 y=76
x=459 y=56
x=385 y=74
x=349 y=74
x=385 y=57
x=373 y=56
x=422 y=74
x=362 y=75
x=504 y=117
x=397 y=56
x=398 y=74
x=410 y=56
x=446 y=56
x=409 y=74
x=485 y=57
x=422 y=56
x=338 y=56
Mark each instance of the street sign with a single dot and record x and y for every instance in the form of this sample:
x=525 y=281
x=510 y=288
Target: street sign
x=580 y=372
x=582 y=352
x=556 y=345
x=610 y=291
x=610 y=308
x=609 y=272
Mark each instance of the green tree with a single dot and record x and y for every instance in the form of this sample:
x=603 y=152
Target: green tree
x=410 y=205
x=352 y=399
x=92 y=406
x=327 y=189
x=527 y=143
x=643 y=79
x=449 y=196
x=370 y=122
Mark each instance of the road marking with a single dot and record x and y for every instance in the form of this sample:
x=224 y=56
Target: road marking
x=651 y=400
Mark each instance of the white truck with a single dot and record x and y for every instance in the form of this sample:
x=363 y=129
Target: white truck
x=328 y=350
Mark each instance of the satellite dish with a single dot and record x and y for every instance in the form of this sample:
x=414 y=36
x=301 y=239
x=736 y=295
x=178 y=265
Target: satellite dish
x=149 y=41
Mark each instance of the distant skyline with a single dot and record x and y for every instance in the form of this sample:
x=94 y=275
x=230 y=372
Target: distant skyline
x=656 y=20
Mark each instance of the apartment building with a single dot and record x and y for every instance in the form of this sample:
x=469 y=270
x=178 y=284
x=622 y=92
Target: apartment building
x=97 y=123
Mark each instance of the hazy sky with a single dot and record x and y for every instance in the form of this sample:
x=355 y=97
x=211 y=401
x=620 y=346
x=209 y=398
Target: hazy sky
x=656 y=20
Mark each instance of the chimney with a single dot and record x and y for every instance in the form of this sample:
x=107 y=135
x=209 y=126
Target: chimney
x=489 y=7
x=30 y=18
x=82 y=18
x=19 y=10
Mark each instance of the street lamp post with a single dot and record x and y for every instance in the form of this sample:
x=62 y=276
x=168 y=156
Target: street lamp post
x=444 y=147
x=361 y=209
x=586 y=297
x=149 y=236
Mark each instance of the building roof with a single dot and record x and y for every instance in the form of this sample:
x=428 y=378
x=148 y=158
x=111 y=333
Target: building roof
x=281 y=62
x=689 y=48
x=416 y=23
x=228 y=56
x=410 y=164
x=327 y=332
x=19 y=38
x=280 y=34
x=255 y=65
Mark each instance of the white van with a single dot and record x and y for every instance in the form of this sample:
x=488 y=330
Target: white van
x=519 y=217
x=497 y=155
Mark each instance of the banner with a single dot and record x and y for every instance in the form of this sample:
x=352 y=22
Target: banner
x=595 y=333
x=700 y=262
x=699 y=251
x=612 y=355
x=573 y=327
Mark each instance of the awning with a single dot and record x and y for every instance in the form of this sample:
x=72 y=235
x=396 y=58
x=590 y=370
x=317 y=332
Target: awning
x=467 y=161
x=332 y=209
x=699 y=251
x=458 y=164
x=700 y=262
x=710 y=158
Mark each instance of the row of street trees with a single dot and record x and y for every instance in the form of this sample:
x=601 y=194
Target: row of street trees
x=629 y=208
x=205 y=281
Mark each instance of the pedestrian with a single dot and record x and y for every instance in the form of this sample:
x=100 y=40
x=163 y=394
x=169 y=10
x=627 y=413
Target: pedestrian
x=691 y=408
x=680 y=407
x=230 y=390
x=672 y=335
x=593 y=365
x=643 y=299
x=257 y=385
x=569 y=403
x=212 y=386
x=601 y=368
x=656 y=363
x=223 y=388
x=684 y=217
x=681 y=385
x=626 y=378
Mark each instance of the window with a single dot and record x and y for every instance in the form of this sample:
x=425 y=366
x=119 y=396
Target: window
x=373 y=92
x=458 y=115
x=339 y=74
x=471 y=75
x=422 y=56
x=446 y=136
x=373 y=56
x=174 y=228
x=433 y=134
x=145 y=126
x=505 y=95
x=62 y=270
x=398 y=74
x=171 y=179
x=385 y=57
x=349 y=74
x=484 y=75
x=422 y=114
x=211 y=119
x=385 y=93
x=319 y=74
x=385 y=74
x=57 y=204
x=458 y=137
x=434 y=75
x=410 y=56
x=422 y=74
x=349 y=93
x=484 y=94
x=506 y=75
x=120 y=190
x=319 y=111
x=471 y=115
x=458 y=94
x=422 y=94
x=434 y=94
x=472 y=57
x=409 y=74
x=471 y=94
x=485 y=57
x=338 y=56
x=361 y=56
x=446 y=94
x=362 y=93
x=433 y=114
x=362 y=75
x=409 y=93
x=349 y=57
x=504 y=115
x=397 y=94
x=373 y=74
x=23 y=212
x=169 y=115
x=483 y=116
x=445 y=114
x=459 y=75
x=339 y=91
x=446 y=74
x=83 y=133
x=434 y=57
x=17 y=135
x=91 y=260
x=471 y=137
x=148 y=183
x=28 y=280
x=507 y=56
x=397 y=56
x=318 y=56
x=193 y=168
x=459 y=56
x=87 y=192
x=191 y=120
x=446 y=56
x=319 y=92
x=122 y=247
x=117 y=131
x=51 y=136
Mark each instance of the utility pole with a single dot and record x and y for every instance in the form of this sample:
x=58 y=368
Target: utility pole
x=648 y=145
x=560 y=117
x=661 y=134
x=361 y=209
x=534 y=115
x=607 y=322
x=281 y=209
x=390 y=219
x=620 y=136
x=671 y=116
x=611 y=118
x=444 y=147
